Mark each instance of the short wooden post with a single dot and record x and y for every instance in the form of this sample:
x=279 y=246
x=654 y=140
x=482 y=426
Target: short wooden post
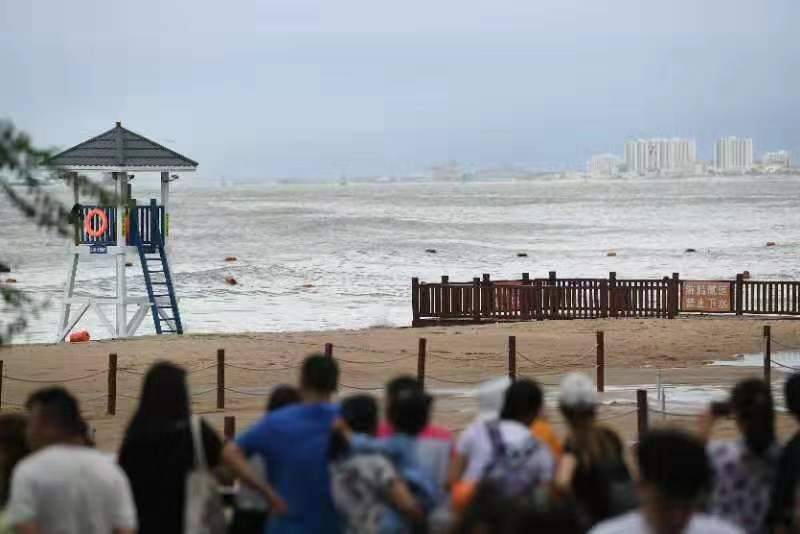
x=1 y=383
x=739 y=291
x=230 y=427
x=555 y=298
x=675 y=290
x=445 y=302
x=476 y=299
x=111 y=403
x=220 y=379
x=415 y=301
x=601 y=362
x=421 y=361
x=641 y=408
x=524 y=297
x=767 y=354
x=329 y=350
x=487 y=299
x=512 y=357
x=612 y=294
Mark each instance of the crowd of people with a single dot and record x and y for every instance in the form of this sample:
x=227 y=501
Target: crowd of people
x=311 y=464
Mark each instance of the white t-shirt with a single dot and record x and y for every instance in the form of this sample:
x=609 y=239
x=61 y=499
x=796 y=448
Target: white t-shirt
x=67 y=489
x=476 y=445
x=634 y=523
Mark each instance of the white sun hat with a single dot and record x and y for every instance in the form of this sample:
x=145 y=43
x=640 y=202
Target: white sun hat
x=491 y=394
x=577 y=391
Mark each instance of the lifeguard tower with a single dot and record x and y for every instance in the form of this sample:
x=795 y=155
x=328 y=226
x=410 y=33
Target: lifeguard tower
x=122 y=231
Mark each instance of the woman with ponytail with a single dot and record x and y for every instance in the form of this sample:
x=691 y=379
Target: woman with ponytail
x=744 y=468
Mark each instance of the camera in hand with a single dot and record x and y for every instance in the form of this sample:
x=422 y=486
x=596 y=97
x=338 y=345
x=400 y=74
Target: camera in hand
x=721 y=409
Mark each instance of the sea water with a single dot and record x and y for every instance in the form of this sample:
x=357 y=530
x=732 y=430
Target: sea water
x=313 y=257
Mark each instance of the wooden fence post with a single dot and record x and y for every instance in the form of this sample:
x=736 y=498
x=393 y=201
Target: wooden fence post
x=739 y=291
x=641 y=408
x=421 y=361
x=524 y=297
x=445 y=299
x=111 y=404
x=1 y=383
x=601 y=362
x=612 y=290
x=220 y=379
x=512 y=357
x=329 y=350
x=487 y=299
x=675 y=302
x=767 y=354
x=415 y=309
x=554 y=295
x=476 y=299
x=230 y=427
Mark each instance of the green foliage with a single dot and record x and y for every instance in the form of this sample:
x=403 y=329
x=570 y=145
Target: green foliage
x=23 y=163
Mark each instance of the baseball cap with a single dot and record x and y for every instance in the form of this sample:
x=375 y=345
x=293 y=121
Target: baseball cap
x=577 y=391
x=490 y=397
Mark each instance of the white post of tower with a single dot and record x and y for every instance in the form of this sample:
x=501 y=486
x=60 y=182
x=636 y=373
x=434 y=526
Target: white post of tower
x=122 y=287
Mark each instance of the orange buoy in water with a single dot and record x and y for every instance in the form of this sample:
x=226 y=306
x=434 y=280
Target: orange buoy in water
x=230 y=258
x=79 y=337
x=11 y=280
x=231 y=281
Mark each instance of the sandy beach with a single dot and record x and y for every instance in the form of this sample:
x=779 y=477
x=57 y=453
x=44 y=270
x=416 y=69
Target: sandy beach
x=637 y=352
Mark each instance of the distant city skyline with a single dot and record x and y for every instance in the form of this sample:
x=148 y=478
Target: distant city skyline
x=309 y=88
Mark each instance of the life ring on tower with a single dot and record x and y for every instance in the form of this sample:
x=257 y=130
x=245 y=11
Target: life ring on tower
x=88 y=223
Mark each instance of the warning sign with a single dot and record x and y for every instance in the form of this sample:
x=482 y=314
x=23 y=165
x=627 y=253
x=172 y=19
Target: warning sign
x=705 y=296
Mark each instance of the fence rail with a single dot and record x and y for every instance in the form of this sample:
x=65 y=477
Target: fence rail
x=529 y=299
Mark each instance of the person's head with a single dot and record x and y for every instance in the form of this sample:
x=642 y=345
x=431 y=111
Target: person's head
x=791 y=391
x=13 y=448
x=360 y=412
x=282 y=395
x=490 y=397
x=752 y=407
x=54 y=418
x=397 y=385
x=522 y=402
x=165 y=395
x=319 y=378
x=410 y=411
x=577 y=397
x=674 y=473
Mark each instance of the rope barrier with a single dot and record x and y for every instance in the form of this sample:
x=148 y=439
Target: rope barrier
x=407 y=356
x=247 y=368
x=784 y=345
x=438 y=355
x=616 y=416
x=131 y=372
x=451 y=381
x=360 y=388
x=204 y=392
x=200 y=369
x=53 y=381
x=779 y=364
x=248 y=393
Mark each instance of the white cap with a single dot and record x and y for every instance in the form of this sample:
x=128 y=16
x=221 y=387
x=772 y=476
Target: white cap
x=491 y=395
x=577 y=391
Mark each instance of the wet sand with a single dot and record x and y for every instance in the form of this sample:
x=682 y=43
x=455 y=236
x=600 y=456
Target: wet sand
x=458 y=357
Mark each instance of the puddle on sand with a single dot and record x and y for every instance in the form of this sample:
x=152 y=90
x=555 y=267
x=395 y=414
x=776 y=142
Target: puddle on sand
x=787 y=361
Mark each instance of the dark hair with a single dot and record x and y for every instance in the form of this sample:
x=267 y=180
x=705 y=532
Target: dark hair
x=164 y=399
x=401 y=383
x=320 y=374
x=791 y=392
x=751 y=403
x=523 y=401
x=490 y=511
x=410 y=411
x=360 y=412
x=676 y=463
x=15 y=447
x=60 y=408
x=282 y=395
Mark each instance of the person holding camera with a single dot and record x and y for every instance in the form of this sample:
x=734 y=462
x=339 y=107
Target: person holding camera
x=744 y=468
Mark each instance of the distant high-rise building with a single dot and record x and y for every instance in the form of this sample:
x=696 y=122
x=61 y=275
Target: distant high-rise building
x=733 y=154
x=645 y=156
x=779 y=158
x=604 y=165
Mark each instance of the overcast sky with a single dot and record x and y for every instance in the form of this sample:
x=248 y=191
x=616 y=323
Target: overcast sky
x=320 y=88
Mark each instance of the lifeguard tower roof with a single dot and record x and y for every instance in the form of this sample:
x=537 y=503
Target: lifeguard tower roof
x=121 y=150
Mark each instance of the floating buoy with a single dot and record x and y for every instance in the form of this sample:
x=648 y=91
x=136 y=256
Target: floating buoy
x=4 y=268
x=308 y=285
x=231 y=281
x=230 y=258
x=771 y=243
x=128 y=264
x=11 y=280
x=690 y=250
x=522 y=254
x=430 y=250
x=611 y=254
x=81 y=336
x=746 y=275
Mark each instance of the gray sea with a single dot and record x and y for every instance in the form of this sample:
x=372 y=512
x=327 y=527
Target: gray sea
x=331 y=256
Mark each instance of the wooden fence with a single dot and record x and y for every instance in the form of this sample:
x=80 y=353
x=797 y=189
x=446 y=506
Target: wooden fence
x=527 y=299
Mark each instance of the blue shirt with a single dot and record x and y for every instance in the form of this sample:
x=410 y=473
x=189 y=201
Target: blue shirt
x=294 y=444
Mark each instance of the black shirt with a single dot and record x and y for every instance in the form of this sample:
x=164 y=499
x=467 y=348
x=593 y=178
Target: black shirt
x=157 y=462
x=781 y=511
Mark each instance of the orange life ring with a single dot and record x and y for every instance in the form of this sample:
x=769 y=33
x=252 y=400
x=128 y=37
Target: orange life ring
x=87 y=224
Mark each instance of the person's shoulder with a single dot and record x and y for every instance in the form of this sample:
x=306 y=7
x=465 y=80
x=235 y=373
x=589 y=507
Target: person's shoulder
x=629 y=523
x=436 y=432
x=707 y=524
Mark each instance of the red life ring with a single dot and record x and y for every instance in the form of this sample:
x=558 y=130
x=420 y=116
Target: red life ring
x=87 y=224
